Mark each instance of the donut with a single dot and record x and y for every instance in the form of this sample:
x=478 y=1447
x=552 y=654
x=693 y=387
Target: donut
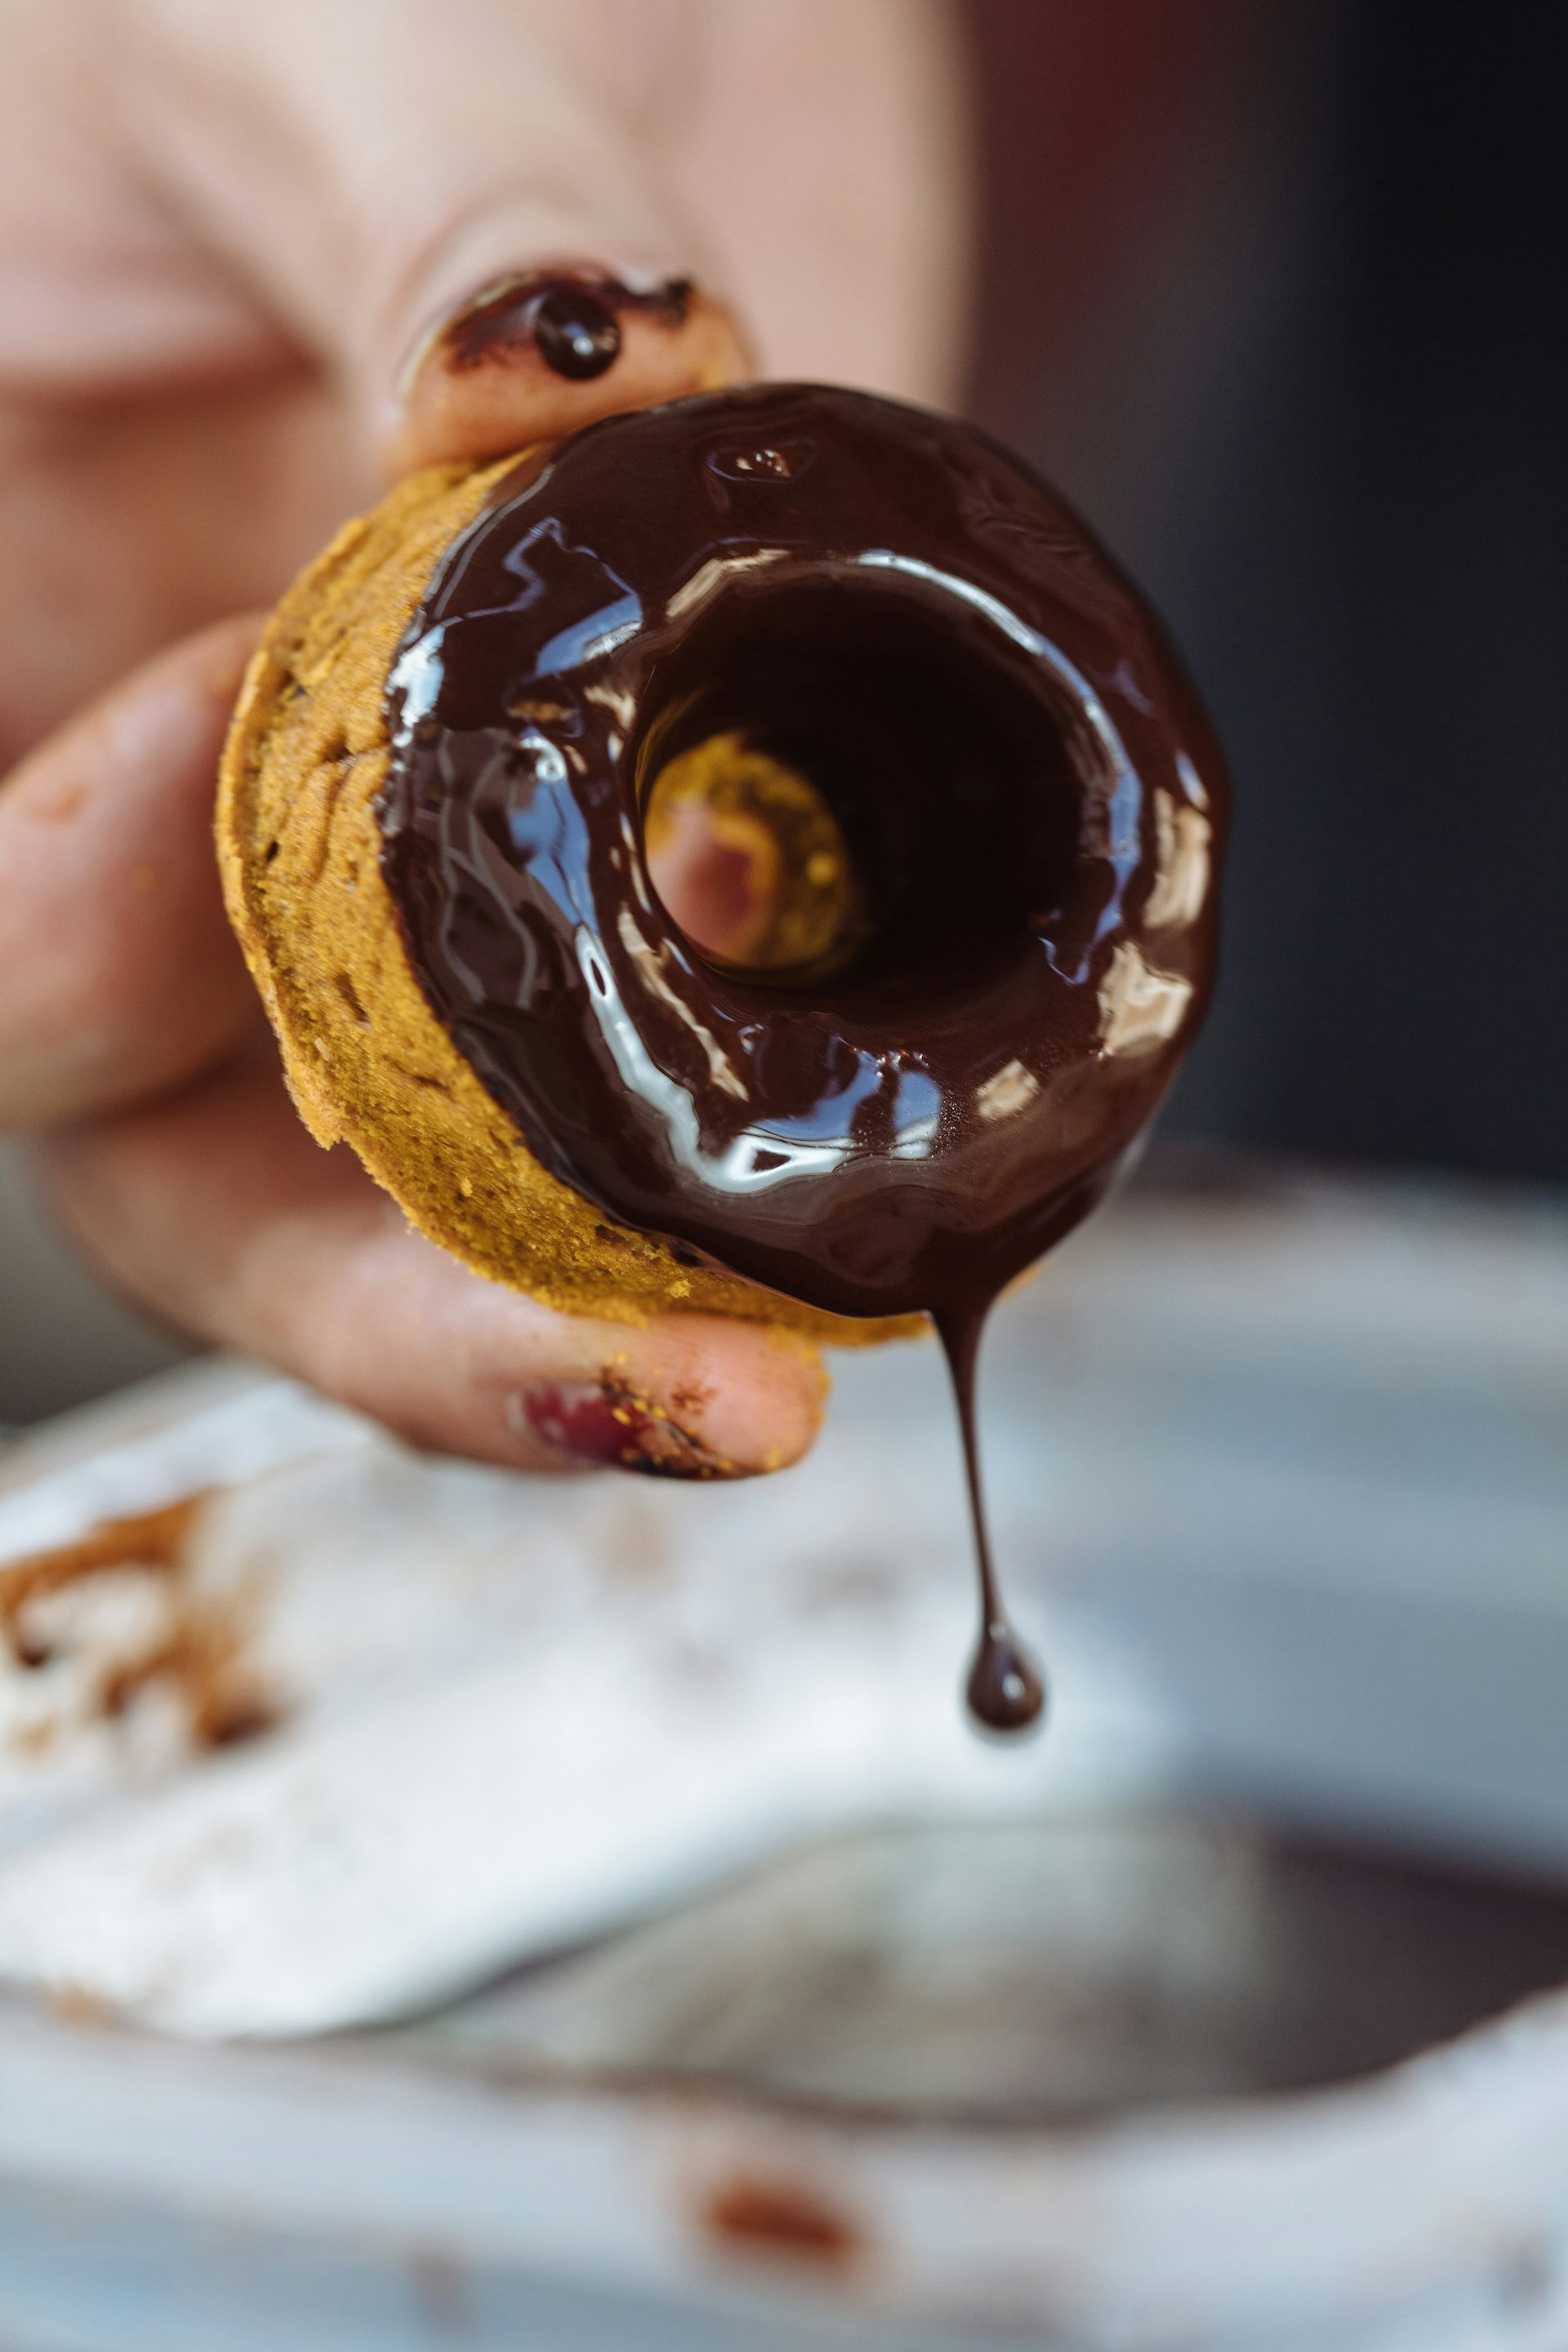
x=855 y=647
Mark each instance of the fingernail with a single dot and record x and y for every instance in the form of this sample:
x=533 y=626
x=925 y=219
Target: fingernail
x=605 y=1422
x=572 y=320
x=540 y=354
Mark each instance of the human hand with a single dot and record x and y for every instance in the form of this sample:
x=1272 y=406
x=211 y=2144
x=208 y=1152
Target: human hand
x=223 y=234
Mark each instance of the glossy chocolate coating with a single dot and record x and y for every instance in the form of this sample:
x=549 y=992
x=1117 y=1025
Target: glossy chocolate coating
x=910 y=618
x=571 y=317
x=577 y=334
x=897 y=609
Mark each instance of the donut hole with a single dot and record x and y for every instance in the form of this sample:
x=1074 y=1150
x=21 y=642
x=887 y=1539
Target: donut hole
x=840 y=783
x=750 y=860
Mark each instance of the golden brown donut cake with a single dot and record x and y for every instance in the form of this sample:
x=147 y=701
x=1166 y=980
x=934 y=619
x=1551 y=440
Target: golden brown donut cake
x=367 y=1061
x=841 y=644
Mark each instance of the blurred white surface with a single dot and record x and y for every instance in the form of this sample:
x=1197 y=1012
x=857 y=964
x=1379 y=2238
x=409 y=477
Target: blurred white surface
x=515 y=1710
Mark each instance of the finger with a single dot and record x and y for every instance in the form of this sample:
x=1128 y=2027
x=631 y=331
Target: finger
x=490 y=376
x=217 y=1210
x=431 y=154
x=119 y=975
x=432 y=149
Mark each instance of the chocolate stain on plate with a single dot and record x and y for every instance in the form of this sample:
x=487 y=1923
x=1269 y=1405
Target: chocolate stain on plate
x=197 y=1653
x=782 y=2219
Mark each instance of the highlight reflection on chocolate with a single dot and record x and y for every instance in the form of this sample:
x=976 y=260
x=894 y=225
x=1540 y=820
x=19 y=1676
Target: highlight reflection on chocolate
x=992 y=807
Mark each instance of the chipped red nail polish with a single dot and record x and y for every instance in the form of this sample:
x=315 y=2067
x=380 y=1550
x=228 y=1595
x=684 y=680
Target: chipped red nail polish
x=606 y=1422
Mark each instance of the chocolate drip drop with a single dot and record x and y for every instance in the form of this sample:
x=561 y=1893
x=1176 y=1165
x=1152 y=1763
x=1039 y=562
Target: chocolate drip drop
x=1005 y=1690
x=578 y=335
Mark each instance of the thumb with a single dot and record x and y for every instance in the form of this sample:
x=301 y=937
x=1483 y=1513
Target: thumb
x=404 y=183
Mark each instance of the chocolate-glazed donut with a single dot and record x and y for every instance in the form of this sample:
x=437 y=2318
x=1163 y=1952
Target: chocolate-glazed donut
x=866 y=641
x=886 y=603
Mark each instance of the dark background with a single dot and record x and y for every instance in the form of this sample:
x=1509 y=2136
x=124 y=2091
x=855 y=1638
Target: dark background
x=1276 y=294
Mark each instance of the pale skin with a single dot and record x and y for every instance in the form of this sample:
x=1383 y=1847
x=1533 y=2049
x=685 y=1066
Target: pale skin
x=225 y=237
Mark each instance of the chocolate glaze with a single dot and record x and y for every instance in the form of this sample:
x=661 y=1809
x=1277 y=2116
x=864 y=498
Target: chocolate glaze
x=578 y=335
x=1005 y=1690
x=898 y=610
x=572 y=319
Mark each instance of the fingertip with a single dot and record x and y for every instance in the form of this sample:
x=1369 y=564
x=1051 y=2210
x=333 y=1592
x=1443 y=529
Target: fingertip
x=752 y=1393
x=536 y=355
